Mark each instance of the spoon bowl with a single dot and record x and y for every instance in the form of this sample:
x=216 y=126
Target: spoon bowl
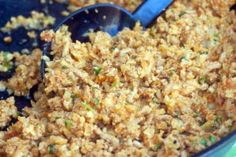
x=100 y=17
x=108 y=18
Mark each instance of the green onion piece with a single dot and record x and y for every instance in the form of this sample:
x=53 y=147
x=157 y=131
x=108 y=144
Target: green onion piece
x=7 y=65
x=182 y=13
x=202 y=80
x=68 y=123
x=97 y=70
x=114 y=84
x=94 y=89
x=215 y=39
x=196 y=114
x=18 y=114
x=183 y=58
x=203 y=141
x=7 y=61
x=157 y=146
x=5 y=56
x=212 y=138
x=51 y=148
x=204 y=52
x=64 y=67
x=56 y=118
x=87 y=106
x=96 y=101
x=113 y=48
x=218 y=120
x=155 y=100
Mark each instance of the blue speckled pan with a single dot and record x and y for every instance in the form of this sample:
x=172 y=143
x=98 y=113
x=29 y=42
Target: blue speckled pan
x=8 y=8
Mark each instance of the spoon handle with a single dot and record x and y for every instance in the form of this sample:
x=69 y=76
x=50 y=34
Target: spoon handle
x=149 y=10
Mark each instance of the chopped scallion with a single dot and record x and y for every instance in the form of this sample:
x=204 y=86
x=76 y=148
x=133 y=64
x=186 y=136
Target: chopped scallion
x=51 y=148
x=97 y=70
x=204 y=52
x=114 y=84
x=218 y=120
x=64 y=67
x=87 y=106
x=7 y=63
x=182 y=13
x=157 y=146
x=183 y=58
x=202 y=80
x=215 y=38
x=68 y=123
x=113 y=48
x=212 y=138
x=96 y=101
x=203 y=141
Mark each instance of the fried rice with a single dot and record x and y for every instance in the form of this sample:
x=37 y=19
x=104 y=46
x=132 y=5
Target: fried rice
x=169 y=90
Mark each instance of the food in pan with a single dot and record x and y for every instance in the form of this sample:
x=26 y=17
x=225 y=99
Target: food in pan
x=169 y=90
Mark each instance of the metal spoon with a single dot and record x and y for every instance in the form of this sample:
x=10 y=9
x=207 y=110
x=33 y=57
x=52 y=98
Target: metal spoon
x=108 y=18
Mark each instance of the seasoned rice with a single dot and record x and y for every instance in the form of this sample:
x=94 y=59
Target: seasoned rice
x=27 y=73
x=7 y=111
x=37 y=20
x=169 y=90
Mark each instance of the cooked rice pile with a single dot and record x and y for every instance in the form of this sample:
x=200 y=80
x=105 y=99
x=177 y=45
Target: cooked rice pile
x=27 y=73
x=7 y=110
x=166 y=91
x=37 y=20
x=5 y=61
